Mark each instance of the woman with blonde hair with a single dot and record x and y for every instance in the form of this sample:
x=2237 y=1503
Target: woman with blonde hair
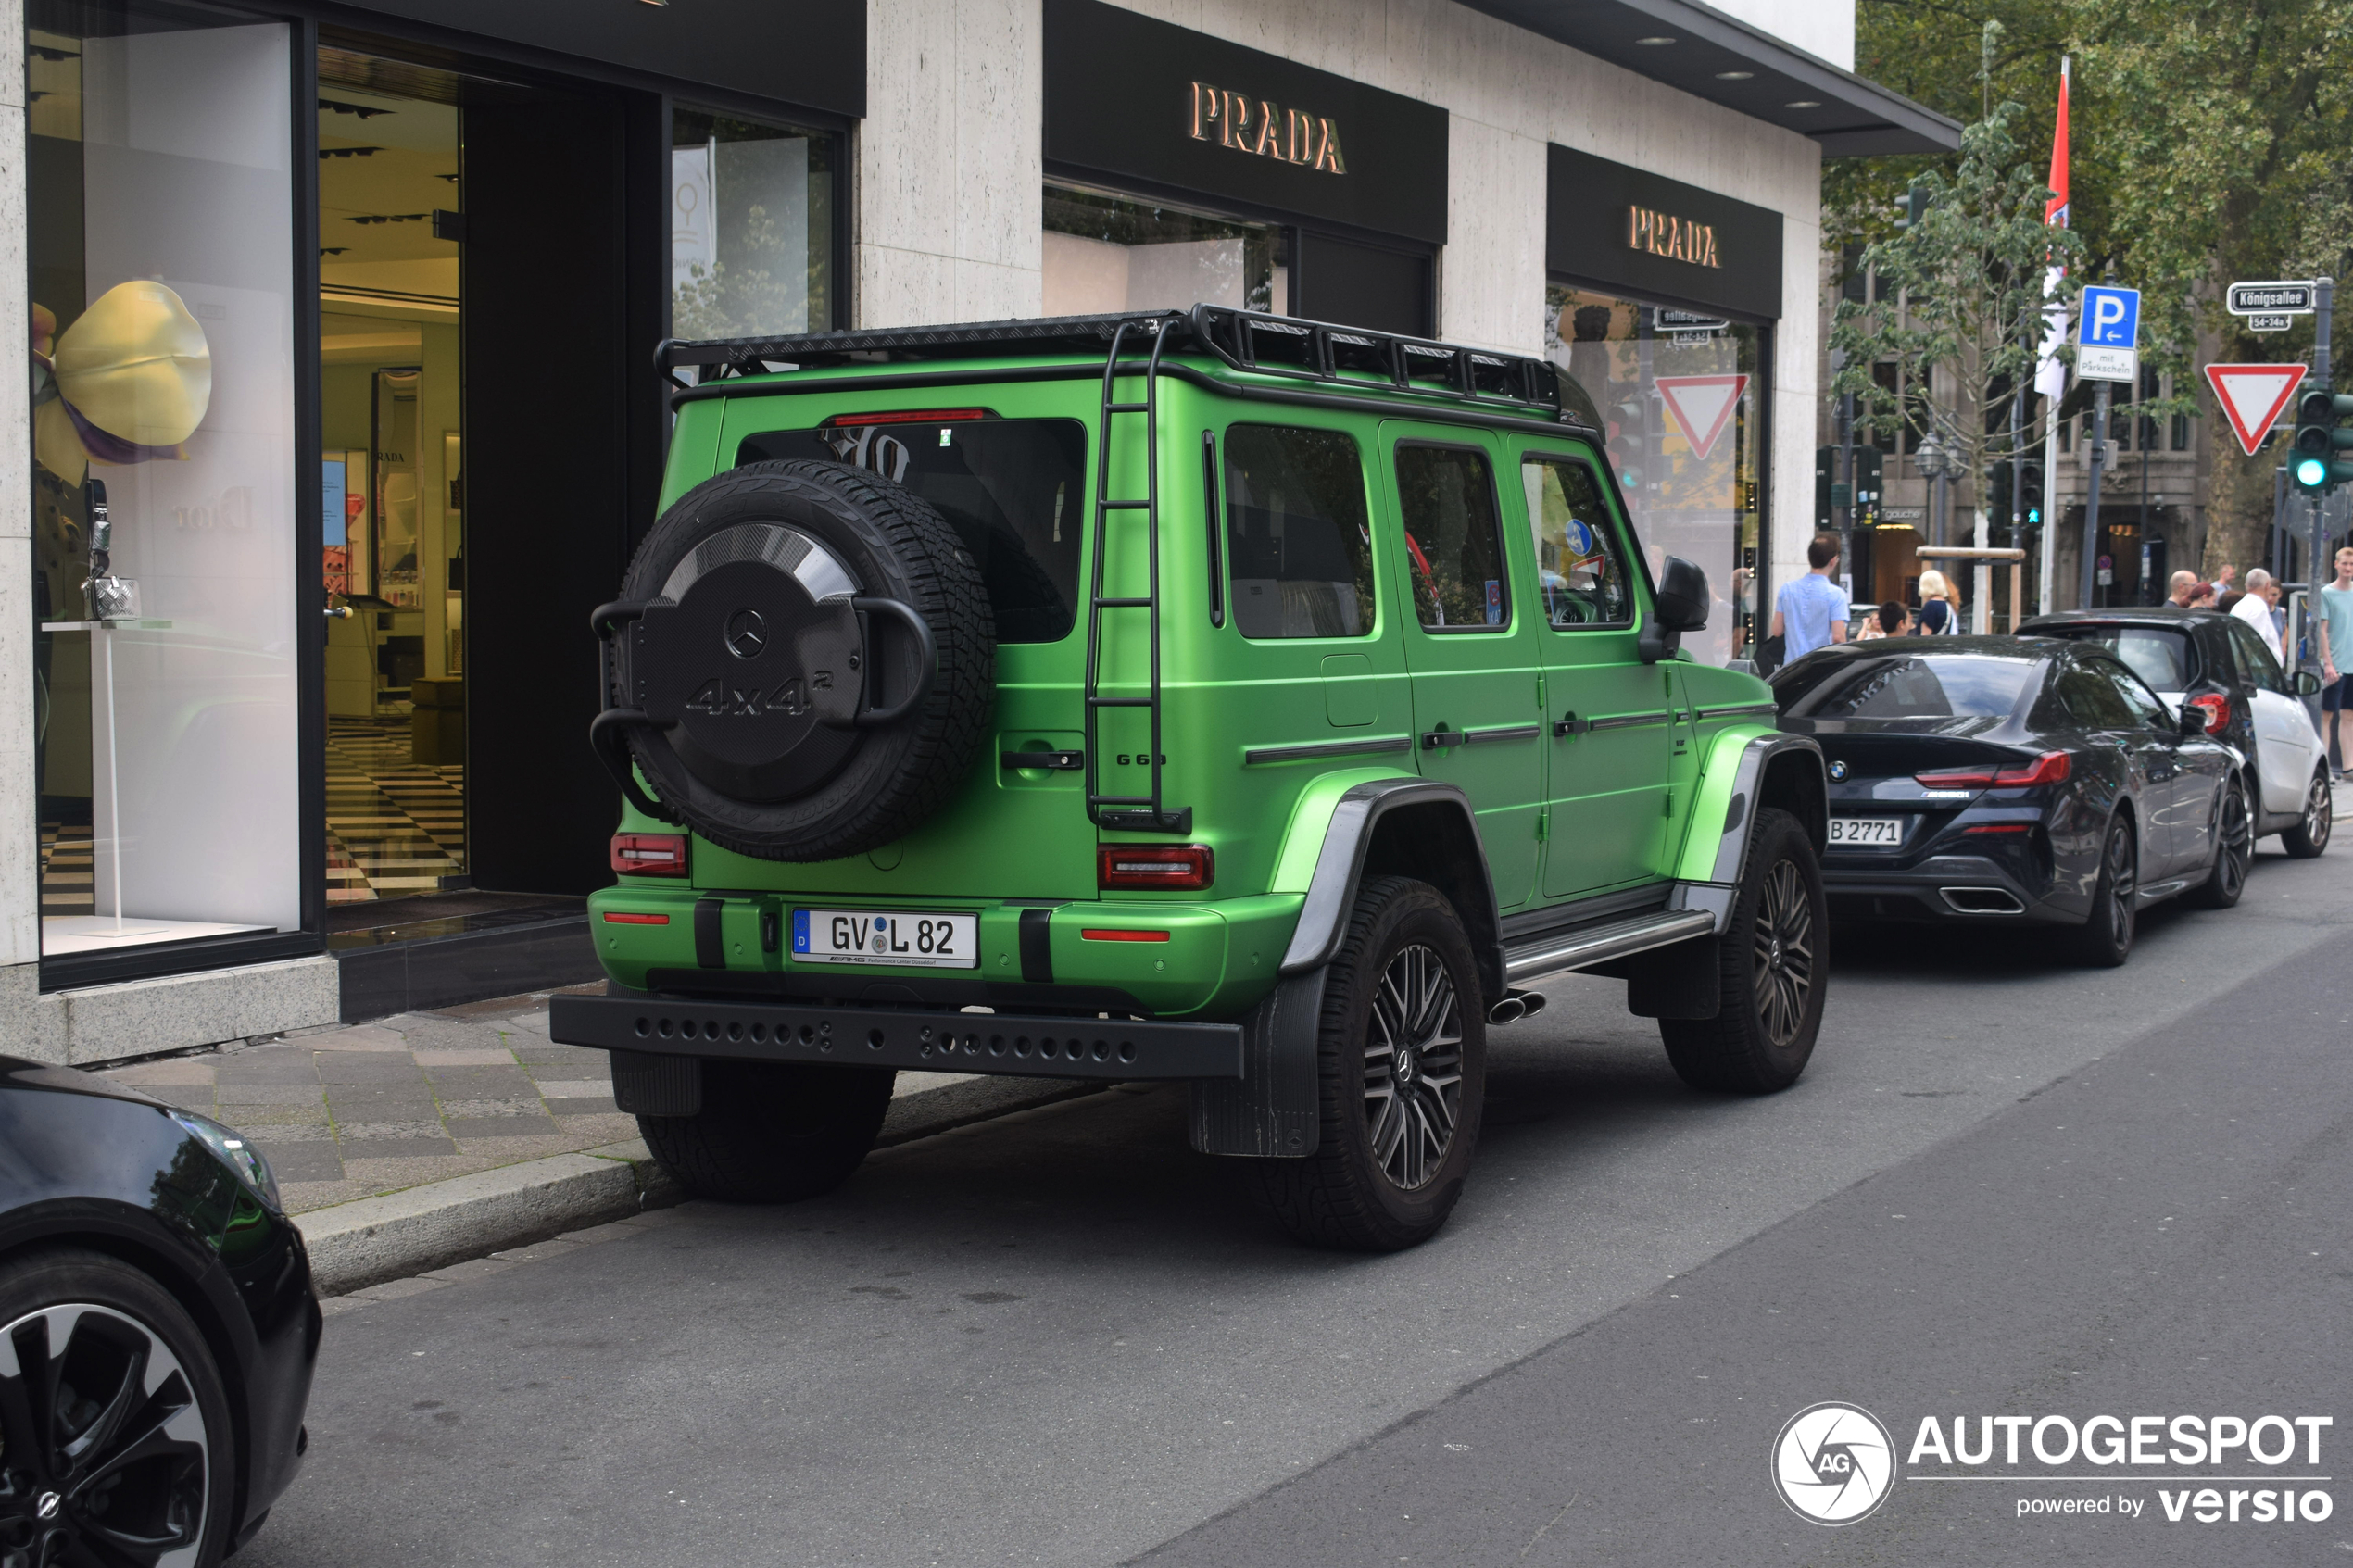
x=1939 y=616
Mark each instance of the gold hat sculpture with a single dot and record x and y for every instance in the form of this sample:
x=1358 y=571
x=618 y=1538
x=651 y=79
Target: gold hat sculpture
x=133 y=377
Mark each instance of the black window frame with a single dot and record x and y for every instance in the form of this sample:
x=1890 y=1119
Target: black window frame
x=1502 y=546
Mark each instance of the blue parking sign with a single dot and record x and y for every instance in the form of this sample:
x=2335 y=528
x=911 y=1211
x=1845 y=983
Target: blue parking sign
x=2111 y=318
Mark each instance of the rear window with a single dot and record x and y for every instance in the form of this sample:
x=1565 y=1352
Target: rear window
x=1912 y=687
x=1013 y=490
x=2158 y=655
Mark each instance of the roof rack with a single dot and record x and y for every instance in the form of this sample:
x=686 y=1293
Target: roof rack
x=1242 y=340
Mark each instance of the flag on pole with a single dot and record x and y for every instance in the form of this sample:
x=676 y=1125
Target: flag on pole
x=2050 y=376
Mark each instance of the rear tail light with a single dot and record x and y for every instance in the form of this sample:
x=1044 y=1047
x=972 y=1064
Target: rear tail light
x=2052 y=767
x=1185 y=866
x=649 y=854
x=910 y=417
x=626 y=917
x=2216 y=709
x=1119 y=934
x=1955 y=778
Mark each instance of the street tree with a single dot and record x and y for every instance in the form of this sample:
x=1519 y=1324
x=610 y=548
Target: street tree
x=1960 y=302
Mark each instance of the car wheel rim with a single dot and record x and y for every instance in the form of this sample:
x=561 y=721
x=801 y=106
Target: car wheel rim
x=107 y=1459
x=2123 y=881
x=1784 y=936
x=1413 y=1067
x=2239 y=843
x=2318 y=812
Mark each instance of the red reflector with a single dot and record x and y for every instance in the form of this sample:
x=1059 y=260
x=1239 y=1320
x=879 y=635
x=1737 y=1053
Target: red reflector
x=649 y=854
x=616 y=917
x=910 y=416
x=1116 y=934
x=2052 y=767
x=1185 y=865
x=2216 y=709
x=1958 y=778
x=2001 y=827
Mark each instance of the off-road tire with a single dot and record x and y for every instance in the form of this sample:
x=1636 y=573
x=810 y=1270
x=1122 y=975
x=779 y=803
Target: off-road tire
x=1344 y=1195
x=1772 y=966
x=772 y=1132
x=2105 y=940
x=900 y=547
x=2233 y=851
x=2309 y=837
x=33 y=1282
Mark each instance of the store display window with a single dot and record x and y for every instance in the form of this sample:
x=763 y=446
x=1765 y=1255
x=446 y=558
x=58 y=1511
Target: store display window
x=160 y=195
x=1106 y=252
x=1679 y=397
x=751 y=227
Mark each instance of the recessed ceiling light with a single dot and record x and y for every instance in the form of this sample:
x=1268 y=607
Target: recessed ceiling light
x=1654 y=42
x=1804 y=103
x=1734 y=75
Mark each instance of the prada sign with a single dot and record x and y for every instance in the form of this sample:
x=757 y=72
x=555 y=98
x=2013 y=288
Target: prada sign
x=1260 y=128
x=1140 y=103
x=1614 y=226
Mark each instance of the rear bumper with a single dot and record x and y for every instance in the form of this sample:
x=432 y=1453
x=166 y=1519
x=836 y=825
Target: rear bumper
x=1962 y=888
x=1045 y=1045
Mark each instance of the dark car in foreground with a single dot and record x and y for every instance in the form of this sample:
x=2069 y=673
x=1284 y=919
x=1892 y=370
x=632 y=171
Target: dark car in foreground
x=2214 y=662
x=158 y=1329
x=2014 y=781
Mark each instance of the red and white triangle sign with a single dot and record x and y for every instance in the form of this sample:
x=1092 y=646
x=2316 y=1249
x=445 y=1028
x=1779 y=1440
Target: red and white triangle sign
x=1701 y=406
x=2253 y=396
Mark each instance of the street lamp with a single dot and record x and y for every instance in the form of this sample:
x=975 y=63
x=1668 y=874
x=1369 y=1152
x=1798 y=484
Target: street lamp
x=1935 y=465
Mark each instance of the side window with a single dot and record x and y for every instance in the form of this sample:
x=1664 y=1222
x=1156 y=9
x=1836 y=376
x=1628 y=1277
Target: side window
x=1454 y=540
x=1298 y=532
x=1580 y=567
x=2256 y=663
x=2091 y=702
x=2139 y=701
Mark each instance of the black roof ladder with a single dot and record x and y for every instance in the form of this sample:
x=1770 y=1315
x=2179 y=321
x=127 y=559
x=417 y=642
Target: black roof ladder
x=1134 y=813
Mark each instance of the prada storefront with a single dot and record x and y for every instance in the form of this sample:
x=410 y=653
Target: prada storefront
x=347 y=309
x=1202 y=171
x=1659 y=306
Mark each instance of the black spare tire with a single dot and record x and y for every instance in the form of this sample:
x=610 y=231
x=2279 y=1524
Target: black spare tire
x=804 y=656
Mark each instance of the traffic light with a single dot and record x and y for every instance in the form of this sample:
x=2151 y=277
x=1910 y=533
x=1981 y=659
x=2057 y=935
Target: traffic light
x=2313 y=463
x=1867 y=478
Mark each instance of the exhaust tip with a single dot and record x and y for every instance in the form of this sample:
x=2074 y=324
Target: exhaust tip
x=1514 y=1006
x=1981 y=900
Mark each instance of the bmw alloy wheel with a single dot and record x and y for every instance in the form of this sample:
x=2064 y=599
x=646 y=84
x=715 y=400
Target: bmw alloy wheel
x=1413 y=1067
x=106 y=1458
x=1784 y=936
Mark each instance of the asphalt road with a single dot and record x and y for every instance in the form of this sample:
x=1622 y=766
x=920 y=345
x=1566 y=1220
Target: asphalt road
x=2004 y=1187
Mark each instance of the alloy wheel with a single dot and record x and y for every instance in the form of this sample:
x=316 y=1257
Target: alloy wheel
x=1413 y=1067
x=2123 y=883
x=104 y=1458
x=2319 y=811
x=1784 y=936
x=2238 y=835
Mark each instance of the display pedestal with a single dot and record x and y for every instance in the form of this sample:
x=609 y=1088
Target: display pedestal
x=83 y=933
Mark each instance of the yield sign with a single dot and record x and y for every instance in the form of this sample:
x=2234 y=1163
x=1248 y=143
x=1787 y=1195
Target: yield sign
x=2252 y=396
x=1701 y=406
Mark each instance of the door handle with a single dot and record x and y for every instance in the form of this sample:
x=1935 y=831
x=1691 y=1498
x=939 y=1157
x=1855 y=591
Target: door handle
x=1569 y=724
x=1435 y=740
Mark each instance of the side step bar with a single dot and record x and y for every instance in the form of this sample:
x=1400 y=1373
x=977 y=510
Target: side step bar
x=1582 y=950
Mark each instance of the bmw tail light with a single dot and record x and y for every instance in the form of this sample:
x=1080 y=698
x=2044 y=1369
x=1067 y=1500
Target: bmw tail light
x=2216 y=709
x=1188 y=867
x=649 y=854
x=2052 y=767
x=1955 y=778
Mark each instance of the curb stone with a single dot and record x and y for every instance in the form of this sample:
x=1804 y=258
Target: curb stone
x=374 y=1241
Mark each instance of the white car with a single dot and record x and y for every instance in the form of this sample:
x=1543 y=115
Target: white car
x=2216 y=664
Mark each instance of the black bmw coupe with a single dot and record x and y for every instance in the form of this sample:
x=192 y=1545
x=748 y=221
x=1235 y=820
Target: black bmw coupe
x=158 y=1329
x=2015 y=781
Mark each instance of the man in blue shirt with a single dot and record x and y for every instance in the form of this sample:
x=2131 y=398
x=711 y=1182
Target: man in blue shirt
x=1811 y=612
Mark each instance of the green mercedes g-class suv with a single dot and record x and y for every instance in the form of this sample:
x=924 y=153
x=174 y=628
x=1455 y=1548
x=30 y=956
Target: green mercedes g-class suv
x=1205 y=696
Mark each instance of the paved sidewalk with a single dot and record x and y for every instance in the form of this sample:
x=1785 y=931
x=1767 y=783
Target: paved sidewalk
x=347 y=1112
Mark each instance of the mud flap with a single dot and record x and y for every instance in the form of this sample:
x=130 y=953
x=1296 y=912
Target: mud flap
x=1272 y=1110
x=647 y=1084
x=1676 y=981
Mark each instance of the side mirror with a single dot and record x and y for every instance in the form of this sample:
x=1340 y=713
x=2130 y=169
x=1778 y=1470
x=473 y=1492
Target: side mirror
x=1682 y=596
x=2192 y=721
x=2306 y=683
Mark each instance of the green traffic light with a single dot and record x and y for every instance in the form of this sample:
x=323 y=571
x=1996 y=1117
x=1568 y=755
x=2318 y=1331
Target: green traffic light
x=2311 y=473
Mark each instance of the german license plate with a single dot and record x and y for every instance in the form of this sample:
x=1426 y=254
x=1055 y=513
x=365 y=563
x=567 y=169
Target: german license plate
x=1854 y=831
x=881 y=936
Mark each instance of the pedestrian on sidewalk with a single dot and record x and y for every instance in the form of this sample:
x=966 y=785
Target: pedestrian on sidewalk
x=1939 y=617
x=2181 y=589
x=2255 y=607
x=2335 y=628
x=1811 y=612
